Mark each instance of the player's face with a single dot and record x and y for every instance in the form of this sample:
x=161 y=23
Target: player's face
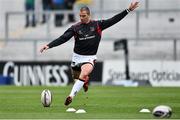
x=84 y=17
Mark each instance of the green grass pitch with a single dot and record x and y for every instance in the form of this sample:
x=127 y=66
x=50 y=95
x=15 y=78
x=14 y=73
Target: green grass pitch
x=100 y=102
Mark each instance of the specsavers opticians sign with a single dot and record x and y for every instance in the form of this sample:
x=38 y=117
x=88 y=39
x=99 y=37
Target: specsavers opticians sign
x=157 y=73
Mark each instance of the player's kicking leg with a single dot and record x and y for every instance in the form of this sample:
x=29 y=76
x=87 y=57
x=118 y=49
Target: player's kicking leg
x=86 y=69
x=76 y=88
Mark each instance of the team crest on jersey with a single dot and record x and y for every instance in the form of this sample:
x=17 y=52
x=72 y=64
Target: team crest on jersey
x=80 y=32
x=92 y=29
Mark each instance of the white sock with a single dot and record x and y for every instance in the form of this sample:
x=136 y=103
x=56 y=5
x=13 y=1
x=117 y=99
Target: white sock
x=76 y=88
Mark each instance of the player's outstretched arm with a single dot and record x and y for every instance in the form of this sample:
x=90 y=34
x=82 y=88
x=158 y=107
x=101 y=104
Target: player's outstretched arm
x=133 y=6
x=43 y=48
x=111 y=21
x=62 y=39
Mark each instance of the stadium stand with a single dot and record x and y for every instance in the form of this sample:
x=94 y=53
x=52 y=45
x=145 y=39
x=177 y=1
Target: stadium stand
x=163 y=26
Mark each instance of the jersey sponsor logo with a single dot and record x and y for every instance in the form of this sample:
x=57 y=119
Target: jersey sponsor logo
x=87 y=37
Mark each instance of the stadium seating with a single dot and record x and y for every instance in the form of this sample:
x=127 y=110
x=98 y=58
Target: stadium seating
x=158 y=25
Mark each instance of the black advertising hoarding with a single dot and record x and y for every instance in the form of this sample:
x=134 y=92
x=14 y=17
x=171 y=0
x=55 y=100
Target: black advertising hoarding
x=48 y=73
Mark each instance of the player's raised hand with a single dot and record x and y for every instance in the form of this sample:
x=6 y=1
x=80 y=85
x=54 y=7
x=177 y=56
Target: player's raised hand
x=133 y=5
x=43 y=48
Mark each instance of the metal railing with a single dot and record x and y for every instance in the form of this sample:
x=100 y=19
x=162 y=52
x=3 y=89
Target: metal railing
x=34 y=49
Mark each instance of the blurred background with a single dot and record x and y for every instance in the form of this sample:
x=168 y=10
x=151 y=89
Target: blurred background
x=152 y=33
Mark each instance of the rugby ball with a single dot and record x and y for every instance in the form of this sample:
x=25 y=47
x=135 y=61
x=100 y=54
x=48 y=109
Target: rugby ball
x=46 y=98
x=162 y=111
